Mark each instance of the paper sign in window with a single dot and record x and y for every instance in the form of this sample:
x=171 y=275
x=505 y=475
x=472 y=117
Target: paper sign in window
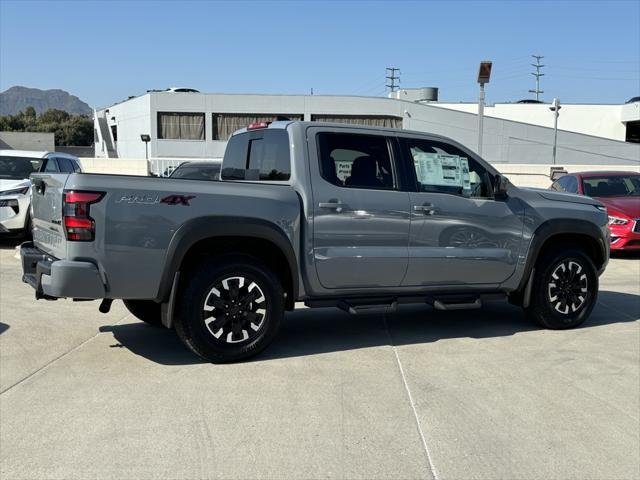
x=441 y=169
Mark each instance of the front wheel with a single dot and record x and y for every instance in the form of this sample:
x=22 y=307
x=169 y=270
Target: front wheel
x=565 y=289
x=230 y=309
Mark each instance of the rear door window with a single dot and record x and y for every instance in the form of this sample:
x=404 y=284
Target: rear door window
x=261 y=155
x=356 y=161
x=568 y=184
x=65 y=165
x=51 y=166
x=572 y=185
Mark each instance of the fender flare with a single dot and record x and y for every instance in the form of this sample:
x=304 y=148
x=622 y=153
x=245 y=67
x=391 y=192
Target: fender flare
x=559 y=226
x=203 y=228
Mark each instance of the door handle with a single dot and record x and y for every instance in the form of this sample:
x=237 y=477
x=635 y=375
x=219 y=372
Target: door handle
x=427 y=208
x=334 y=205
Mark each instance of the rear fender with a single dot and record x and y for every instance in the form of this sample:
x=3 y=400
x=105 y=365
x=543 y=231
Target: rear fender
x=210 y=227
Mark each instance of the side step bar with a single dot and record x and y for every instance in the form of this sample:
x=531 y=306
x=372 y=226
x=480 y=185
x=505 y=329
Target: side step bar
x=358 y=306
x=471 y=305
x=368 y=308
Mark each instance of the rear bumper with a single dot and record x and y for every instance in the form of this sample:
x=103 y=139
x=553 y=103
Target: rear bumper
x=52 y=278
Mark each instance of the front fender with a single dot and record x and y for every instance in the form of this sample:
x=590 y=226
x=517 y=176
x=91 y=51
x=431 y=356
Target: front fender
x=563 y=226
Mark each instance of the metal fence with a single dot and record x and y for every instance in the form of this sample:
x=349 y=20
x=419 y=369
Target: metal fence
x=162 y=167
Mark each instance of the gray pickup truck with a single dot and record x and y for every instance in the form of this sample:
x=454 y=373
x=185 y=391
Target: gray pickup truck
x=358 y=218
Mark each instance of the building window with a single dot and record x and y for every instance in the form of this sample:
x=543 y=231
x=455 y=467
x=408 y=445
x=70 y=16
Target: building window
x=181 y=126
x=114 y=132
x=369 y=120
x=633 y=132
x=224 y=124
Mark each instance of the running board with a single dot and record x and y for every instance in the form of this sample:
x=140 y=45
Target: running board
x=368 y=308
x=441 y=301
x=441 y=305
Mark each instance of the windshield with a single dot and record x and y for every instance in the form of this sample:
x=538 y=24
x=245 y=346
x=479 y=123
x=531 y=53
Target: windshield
x=197 y=172
x=19 y=168
x=612 y=186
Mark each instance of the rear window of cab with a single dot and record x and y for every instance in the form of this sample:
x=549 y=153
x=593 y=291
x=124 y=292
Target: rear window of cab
x=260 y=155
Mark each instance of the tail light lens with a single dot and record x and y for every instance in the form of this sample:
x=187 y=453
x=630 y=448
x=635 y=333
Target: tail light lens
x=78 y=225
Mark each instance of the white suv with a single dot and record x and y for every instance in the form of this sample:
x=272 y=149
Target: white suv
x=15 y=186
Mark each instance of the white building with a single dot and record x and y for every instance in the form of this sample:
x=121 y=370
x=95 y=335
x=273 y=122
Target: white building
x=184 y=126
x=615 y=122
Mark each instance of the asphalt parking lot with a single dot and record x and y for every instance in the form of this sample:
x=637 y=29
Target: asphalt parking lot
x=417 y=394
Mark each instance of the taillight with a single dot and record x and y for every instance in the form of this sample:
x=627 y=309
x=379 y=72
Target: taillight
x=78 y=225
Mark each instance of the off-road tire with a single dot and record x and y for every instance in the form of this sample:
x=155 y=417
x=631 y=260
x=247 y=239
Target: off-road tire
x=212 y=334
x=146 y=310
x=546 y=305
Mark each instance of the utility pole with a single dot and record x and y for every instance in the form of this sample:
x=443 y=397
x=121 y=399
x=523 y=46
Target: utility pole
x=392 y=77
x=537 y=74
x=555 y=108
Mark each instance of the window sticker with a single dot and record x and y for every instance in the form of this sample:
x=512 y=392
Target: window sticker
x=441 y=169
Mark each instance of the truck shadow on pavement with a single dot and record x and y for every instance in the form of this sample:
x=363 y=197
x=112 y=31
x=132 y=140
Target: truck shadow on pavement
x=10 y=243
x=310 y=332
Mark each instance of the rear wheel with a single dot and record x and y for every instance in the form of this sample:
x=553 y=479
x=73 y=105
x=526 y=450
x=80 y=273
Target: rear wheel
x=231 y=309
x=565 y=289
x=146 y=310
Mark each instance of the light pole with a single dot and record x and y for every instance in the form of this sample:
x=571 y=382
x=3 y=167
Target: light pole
x=484 y=74
x=555 y=108
x=146 y=138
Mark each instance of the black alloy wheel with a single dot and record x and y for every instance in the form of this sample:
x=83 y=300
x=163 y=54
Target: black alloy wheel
x=235 y=310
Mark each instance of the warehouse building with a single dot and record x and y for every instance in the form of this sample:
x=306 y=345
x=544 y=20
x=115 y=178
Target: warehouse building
x=189 y=125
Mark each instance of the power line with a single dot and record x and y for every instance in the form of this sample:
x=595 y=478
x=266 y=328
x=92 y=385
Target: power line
x=588 y=69
x=598 y=78
x=369 y=85
x=391 y=76
x=537 y=74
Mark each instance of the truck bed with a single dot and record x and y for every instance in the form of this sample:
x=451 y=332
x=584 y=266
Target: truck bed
x=138 y=218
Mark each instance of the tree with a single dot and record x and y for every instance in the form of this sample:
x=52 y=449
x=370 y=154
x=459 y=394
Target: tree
x=69 y=130
x=54 y=115
x=30 y=112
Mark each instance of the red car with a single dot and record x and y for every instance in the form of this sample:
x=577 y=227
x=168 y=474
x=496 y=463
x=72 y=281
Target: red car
x=620 y=192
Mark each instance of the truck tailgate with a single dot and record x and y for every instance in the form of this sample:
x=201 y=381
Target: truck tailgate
x=46 y=205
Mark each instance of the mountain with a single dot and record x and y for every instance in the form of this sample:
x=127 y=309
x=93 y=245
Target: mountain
x=17 y=98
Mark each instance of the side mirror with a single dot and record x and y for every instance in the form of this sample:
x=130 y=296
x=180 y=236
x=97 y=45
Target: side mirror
x=501 y=185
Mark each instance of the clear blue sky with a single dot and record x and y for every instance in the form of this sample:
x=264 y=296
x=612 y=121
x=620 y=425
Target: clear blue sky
x=105 y=51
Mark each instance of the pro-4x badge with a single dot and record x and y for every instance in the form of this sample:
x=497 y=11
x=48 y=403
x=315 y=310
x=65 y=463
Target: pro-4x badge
x=177 y=199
